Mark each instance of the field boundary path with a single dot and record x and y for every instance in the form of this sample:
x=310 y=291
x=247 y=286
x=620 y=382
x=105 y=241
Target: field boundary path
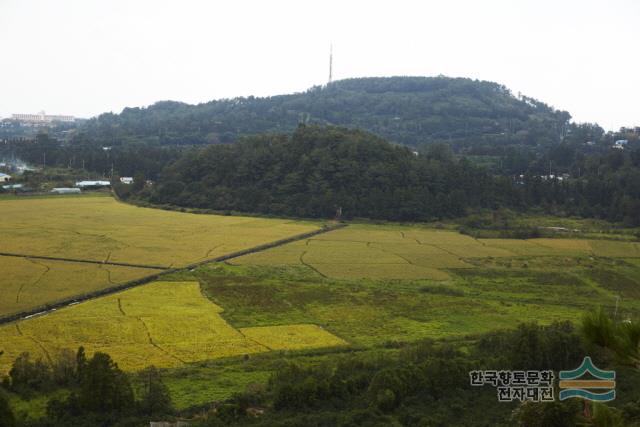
x=86 y=261
x=147 y=279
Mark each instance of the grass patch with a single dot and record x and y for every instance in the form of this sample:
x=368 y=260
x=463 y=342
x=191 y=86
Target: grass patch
x=372 y=312
x=616 y=282
x=35 y=407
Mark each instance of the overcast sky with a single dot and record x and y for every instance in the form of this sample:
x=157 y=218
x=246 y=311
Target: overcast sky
x=86 y=57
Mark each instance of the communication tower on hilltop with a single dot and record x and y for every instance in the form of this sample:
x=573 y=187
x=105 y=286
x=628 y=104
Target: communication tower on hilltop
x=330 y=63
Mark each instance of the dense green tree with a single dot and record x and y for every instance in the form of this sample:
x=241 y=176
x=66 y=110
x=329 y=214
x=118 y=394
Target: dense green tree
x=104 y=387
x=7 y=418
x=81 y=362
x=139 y=181
x=621 y=338
x=28 y=376
x=156 y=399
x=64 y=368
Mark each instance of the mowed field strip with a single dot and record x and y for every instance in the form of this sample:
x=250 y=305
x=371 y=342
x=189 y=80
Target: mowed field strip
x=396 y=252
x=166 y=324
x=106 y=238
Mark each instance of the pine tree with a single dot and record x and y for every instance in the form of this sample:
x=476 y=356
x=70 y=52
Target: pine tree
x=156 y=399
x=104 y=387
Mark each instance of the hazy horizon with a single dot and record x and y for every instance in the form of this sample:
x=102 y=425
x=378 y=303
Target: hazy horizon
x=84 y=58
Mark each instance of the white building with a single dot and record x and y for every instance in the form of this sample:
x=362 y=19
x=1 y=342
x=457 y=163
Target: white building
x=13 y=187
x=42 y=118
x=4 y=177
x=92 y=184
x=620 y=144
x=65 y=190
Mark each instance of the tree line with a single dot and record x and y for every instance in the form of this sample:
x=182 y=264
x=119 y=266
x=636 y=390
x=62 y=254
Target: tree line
x=100 y=393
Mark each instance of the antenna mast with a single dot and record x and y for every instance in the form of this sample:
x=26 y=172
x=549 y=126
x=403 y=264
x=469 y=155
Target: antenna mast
x=330 y=63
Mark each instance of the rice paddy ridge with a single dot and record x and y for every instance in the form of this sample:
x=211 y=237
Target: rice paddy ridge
x=86 y=261
x=44 y=309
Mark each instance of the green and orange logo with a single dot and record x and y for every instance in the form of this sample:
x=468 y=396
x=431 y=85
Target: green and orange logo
x=572 y=386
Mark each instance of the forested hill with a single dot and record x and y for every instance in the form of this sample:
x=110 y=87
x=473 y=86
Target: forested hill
x=406 y=110
x=316 y=170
